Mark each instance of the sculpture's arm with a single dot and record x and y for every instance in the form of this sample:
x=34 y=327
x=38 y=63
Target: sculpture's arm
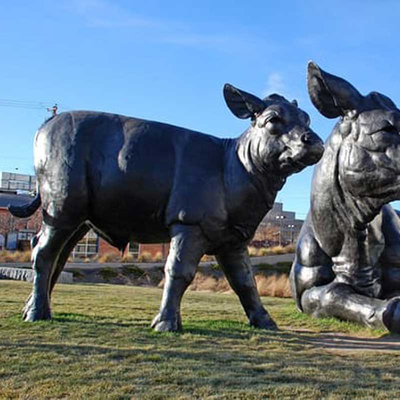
x=311 y=266
x=390 y=259
x=390 y=264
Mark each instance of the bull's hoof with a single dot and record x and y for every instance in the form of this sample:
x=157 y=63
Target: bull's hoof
x=160 y=324
x=263 y=321
x=32 y=313
x=391 y=316
x=36 y=315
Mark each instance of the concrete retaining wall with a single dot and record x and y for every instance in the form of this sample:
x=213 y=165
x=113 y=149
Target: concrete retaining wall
x=22 y=274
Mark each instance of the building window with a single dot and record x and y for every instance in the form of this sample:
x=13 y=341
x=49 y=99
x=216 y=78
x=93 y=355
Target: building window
x=133 y=249
x=25 y=234
x=87 y=246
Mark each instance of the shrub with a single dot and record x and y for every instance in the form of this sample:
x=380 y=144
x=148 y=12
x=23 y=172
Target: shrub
x=24 y=256
x=77 y=274
x=265 y=251
x=158 y=257
x=108 y=273
x=133 y=271
x=215 y=267
x=127 y=257
x=109 y=257
x=253 y=252
x=144 y=257
x=281 y=267
x=265 y=267
x=207 y=258
x=15 y=256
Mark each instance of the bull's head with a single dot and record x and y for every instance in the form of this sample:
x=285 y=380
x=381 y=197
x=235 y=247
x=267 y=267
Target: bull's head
x=366 y=137
x=279 y=140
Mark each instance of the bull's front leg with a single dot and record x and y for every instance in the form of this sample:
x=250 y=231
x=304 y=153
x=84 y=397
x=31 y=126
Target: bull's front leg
x=187 y=248
x=237 y=268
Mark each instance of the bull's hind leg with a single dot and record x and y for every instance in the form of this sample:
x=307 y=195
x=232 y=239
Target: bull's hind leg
x=49 y=244
x=237 y=268
x=66 y=251
x=187 y=248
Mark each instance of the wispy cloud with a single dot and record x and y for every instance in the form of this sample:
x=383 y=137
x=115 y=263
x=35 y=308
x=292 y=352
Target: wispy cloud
x=275 y=84
x=105 y=14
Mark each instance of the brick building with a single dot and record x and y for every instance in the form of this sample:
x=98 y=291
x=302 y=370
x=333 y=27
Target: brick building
x=15 y=233
x=279 y=227
x=11 y=181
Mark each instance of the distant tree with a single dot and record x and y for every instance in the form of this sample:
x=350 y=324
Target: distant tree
x=9 y=223
x=35 y=221
x=266 y=235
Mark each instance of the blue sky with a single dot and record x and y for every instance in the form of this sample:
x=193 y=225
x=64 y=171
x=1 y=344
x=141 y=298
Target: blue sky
x=168 y=61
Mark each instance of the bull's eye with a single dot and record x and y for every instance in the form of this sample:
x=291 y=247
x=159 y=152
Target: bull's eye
x=274 y=125
x=275 y=119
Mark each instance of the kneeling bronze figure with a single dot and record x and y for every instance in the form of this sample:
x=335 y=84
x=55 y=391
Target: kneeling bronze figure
x=347 y=261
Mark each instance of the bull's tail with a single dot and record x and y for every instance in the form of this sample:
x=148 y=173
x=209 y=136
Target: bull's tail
x=26 y=210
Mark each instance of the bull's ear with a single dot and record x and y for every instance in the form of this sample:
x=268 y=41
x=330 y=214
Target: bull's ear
x=383 y=100
x=242 y=104
x=331 y=95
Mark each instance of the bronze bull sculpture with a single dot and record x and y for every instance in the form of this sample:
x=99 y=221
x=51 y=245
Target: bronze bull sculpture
x=131 y=179
x=347 y=261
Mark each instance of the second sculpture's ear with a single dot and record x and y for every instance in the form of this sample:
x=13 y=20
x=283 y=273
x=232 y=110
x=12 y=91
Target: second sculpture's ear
x=242 y=104
x=331 y=95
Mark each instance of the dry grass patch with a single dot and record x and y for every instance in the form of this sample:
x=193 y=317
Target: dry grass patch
x=207 y=258
x=15 y=256
x=145 y=256
x=107 y=258
x=210 y=283
x=267 y=251
x=127 y=258
x=276 y=285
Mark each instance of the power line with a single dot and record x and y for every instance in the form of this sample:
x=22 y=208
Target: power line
x=36 y=105
x=32 y=105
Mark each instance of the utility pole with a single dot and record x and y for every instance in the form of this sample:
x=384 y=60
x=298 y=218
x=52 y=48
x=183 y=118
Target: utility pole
x=53 y=109
x=291 y=233
x=280 y=218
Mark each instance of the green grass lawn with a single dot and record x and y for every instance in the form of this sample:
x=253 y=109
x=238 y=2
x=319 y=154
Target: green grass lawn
x=99 y=345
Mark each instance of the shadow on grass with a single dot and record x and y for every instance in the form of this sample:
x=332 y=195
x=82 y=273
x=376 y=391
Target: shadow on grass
x=215 y=328
x=229 y=329
x=223 y=328
x=72 y=318
x=339 y=342
x=227 y=364
x=322 y=340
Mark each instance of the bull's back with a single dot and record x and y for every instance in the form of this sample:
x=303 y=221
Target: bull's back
x=120 y=172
